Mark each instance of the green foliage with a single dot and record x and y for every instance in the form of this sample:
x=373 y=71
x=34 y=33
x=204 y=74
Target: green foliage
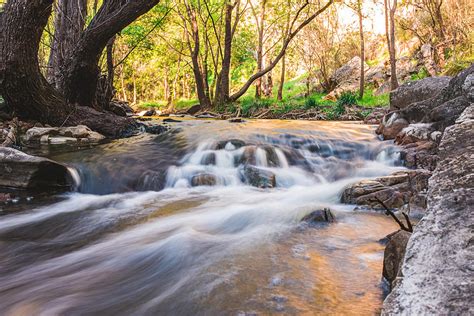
x=347 y=99
x=250 y=106
x=310 y=103
x=147 y=105
x=423 y=73
x=371 y=100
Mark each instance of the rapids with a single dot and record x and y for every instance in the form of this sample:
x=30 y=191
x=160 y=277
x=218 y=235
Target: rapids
x=138 y=239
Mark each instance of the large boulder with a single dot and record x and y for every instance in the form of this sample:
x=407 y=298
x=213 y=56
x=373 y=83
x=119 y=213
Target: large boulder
x=21 y=171
x=415 y=91
x=394 y=191
x=394 y=254
x=345 y=78
x=437 y=270
x=441 y=109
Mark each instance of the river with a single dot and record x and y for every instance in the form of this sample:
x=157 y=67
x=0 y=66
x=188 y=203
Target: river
x=137 y=239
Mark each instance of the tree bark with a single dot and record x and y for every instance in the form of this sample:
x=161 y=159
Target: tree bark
x=68 y=26
x=362 y=49
x=282 y=78
x=223 y=87
x=82 y=73
x=22 y=84
x=390 y=9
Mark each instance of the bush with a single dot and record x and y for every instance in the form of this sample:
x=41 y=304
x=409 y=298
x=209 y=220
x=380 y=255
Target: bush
x=346 y=99
x=310 y=103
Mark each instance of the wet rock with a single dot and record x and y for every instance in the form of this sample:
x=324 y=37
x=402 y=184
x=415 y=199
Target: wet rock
x=236 y=143
x=258 y=177
x=207 y=115
x=155 y=129
x=395 y=190
x=236 y=120
x=209 y=159
x=415 y=91
x=203 y=179
x=21 y=171
x=391 y=125
x=171 y=120
x=437 y=270
x=394 y=254
x=319 y=216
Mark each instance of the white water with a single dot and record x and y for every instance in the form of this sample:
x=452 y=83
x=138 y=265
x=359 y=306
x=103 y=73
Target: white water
x=224 y=249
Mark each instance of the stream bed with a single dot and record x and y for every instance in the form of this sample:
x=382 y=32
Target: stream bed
x=137 y=238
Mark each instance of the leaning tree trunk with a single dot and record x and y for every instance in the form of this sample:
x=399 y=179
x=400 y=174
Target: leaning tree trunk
x=82 y=74
x=68 y=26
x=22 y=85
x=362 y=50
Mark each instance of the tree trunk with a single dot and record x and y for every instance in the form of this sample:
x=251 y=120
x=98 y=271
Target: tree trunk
x=223 y=87
x=282 y=79
x=82 y=72
x=362 y=50
x=68 y=27
x=282 y=52
x=390 y=9
x=261 y=28
x=22 y=85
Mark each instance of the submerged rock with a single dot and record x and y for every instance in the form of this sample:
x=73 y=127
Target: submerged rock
x=258 y=177
x=319 y=216
x=21 y=171
x=204 y=179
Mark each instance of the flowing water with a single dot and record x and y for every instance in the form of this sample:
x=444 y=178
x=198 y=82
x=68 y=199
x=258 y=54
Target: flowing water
x=138 y=239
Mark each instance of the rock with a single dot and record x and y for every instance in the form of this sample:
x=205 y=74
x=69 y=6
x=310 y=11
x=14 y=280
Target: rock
x=395 y=190
x=415 y=91
x=345 y=79
x=258 y=177
x=236 y=143
x=422 y=154
x=5 y=197
x=319 y=216
x=61 y=135
x=391 y=125
x=120 y=108
x=171 y=120
x=150 y=112
x=394 y=254
x=236 y=120
x=21 y=171
x=209 y=159
x=375 y=117
x=194 y=109
x=203 y=179
x=155 y=129
x=441 y=109
x=437 y=270
x=207 y=115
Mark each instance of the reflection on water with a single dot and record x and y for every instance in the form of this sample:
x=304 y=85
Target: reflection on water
x=139 y=239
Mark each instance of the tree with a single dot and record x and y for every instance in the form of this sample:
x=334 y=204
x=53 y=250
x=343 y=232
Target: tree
x=390 y=9
x=292 y=32
x=24 y=87
x=357 y=7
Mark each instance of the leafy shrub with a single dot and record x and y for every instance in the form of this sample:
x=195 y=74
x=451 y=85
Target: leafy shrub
x=310 y=103
x=346 y=99
x=251 y=106
x=421 y=74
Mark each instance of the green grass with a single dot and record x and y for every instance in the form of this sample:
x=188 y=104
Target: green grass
x=293 y=99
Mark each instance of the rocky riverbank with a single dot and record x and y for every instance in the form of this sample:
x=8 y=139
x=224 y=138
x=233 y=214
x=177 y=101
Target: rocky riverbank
x=437 y=135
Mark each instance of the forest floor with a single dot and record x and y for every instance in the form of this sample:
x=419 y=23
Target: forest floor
x=296 y=101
